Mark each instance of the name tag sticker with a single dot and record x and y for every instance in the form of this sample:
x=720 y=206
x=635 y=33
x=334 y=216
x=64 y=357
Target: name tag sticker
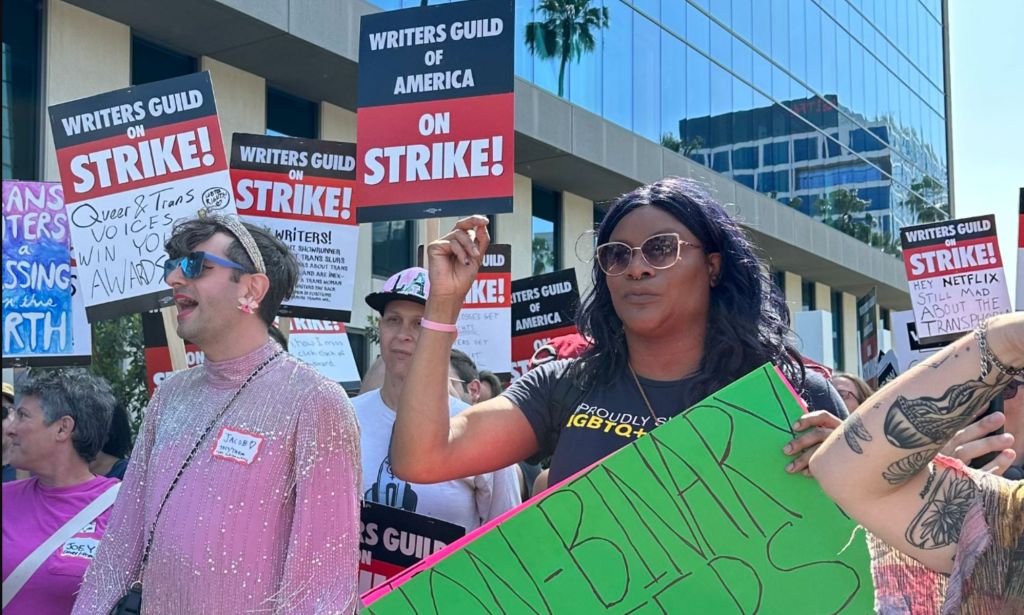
x=237 y=445
x=84 y=548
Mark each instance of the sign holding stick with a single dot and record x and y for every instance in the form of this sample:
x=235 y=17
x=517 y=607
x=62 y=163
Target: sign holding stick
x=44 y=317
x=301 y=190
x=132 y=162
x=956 y=275
x=543 y=307
x=436 y=113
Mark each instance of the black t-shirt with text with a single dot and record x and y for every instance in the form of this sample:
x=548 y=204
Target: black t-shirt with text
x=605 y=418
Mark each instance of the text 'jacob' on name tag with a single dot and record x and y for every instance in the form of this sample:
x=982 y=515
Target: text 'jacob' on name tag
x=238 y=446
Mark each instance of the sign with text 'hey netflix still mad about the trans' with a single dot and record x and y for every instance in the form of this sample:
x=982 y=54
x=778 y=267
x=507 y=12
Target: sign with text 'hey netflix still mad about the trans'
x=436 y=112
x=132 y=163
x=956 y=275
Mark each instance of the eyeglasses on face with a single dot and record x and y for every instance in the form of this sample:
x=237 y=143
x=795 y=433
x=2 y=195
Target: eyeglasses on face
x=193 y=264
x=659 y=251
x=850 y=396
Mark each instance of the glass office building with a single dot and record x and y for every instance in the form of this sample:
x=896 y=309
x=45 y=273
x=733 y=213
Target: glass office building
x=797 y=99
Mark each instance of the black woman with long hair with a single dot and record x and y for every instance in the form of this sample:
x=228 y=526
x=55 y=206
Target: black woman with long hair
x=680 y=307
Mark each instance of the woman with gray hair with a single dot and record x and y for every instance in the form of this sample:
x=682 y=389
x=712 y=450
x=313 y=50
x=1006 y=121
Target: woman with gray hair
x=53 y=521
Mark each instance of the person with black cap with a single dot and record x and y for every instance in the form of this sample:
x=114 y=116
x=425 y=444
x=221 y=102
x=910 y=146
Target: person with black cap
x=468 y=502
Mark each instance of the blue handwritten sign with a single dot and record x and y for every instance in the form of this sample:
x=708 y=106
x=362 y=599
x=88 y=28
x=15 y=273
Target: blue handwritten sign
x=37 y=274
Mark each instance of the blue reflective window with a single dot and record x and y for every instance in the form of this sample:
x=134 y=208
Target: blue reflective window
x=775 y=153
x=618 y=65
x=798 y=41
x=698 y=29
x=814 y=59
x=830 y=82
x=746 y=180
x=782 y=181
x=815 y=178
x=698 y=82
x=833 y=145
x=646 y=79
x=744 y=158
x=773 y=182
x=876 y=196
x=523 y=58
x=673 y=84
x=742 y=18
x=780 y=31
x=762 y=26
x=585 y=77
x=673 y=16
x=805 y=149
x=863 y=141
x=720 y=162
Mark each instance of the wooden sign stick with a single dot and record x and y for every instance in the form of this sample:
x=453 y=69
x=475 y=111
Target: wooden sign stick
x=175 y=345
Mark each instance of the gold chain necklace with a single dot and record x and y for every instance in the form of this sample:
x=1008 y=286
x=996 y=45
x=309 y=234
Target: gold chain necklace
x=640 y=388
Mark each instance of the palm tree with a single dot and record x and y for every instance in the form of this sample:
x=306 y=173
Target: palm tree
x=924 y=198
x=846 y=212
x=565 y=33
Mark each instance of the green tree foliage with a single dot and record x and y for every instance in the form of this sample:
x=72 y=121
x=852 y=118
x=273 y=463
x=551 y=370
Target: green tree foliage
x=117 y=355
x=924 y=198
x=566 y=32
x=543 y=256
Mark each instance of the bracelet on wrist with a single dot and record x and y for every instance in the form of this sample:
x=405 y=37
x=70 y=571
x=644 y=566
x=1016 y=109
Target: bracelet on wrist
x=989 y=358
x=439 y=326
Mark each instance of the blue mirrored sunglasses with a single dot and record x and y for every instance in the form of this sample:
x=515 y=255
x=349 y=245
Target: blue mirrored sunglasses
x=192 y=265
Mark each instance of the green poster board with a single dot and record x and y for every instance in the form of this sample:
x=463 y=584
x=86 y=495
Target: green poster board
x=696 y=517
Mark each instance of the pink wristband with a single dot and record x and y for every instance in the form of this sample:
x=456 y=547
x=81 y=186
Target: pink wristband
x=437 y=326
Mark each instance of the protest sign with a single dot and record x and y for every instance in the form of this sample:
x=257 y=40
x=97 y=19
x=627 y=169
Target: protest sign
x=867 y=329
x=956 y=275
x=888 y=368
x=485 y=323
x=44 y=319
x=301 y=189
x=393 y=539
x=543 y=307
x=699 y=512
x=908 y=346
x=324 y=345
x=132 y=162
x=436 y=115
x=158 y=355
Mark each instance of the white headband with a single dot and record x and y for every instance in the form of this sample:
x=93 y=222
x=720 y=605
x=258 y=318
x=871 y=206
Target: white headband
x=242 y=234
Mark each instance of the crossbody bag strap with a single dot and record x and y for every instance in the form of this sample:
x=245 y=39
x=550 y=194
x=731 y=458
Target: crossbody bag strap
x=28 y=567
x=190 y=456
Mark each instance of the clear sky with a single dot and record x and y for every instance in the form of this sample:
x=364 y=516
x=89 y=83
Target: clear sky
x=986 y=55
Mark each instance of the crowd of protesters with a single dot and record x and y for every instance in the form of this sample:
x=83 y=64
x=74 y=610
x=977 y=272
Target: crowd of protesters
x=242 y=490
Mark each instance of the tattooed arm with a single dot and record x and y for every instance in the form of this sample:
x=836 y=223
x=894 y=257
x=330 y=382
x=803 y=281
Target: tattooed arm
x=878 y=466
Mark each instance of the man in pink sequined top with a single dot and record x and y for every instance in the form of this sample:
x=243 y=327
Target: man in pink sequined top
x=265 y=518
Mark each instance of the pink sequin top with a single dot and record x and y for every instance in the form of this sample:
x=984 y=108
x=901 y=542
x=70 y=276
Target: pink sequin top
x=266 y=517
